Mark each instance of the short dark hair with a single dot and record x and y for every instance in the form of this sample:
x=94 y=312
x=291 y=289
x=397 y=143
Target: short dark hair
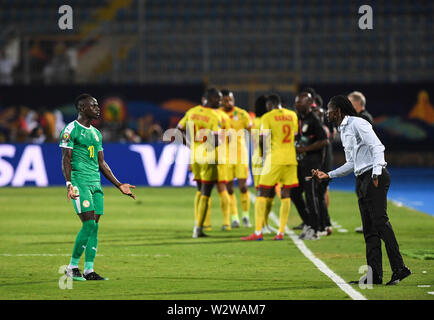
x=318 y=100
x=226 y=92
x=80 y=98
x=309 y=90
x=274 y=99
x=211 y=92
x=344 y=104
x=260 y=107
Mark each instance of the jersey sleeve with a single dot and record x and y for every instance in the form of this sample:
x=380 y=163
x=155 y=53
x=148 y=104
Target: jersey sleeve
x=67 y=137
x=183 y=122
x=99 y=145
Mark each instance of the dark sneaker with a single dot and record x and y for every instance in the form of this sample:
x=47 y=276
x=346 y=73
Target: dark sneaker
x=299 y=227
x=75 y=274
x=364 y=280
x=246 y=222
x=399 y=276
x=94 y=276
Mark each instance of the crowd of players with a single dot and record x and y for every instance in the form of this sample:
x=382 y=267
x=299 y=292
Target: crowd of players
x=299 y=139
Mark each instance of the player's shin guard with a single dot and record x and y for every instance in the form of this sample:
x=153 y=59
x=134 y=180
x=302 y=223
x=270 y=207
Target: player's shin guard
x=285 y=206
x=91 y=247
x=233 y=207
x=81 y=241
x=224 y=203
x=201 y=212
x=259 y=213
x=196 y=205
x=268 y=206
x=245 y=203
x=207 y=222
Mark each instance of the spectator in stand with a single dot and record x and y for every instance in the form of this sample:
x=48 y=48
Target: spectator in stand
x=37 y=135
x=60 y=69
x=130 y=136
x=6 y=69
x=149 y=131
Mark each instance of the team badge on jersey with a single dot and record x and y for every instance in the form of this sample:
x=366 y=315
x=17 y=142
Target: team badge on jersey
x=86 y=204
x=66 y=137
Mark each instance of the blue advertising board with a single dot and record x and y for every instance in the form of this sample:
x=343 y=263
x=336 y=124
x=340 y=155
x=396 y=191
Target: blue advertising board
x=154 y=165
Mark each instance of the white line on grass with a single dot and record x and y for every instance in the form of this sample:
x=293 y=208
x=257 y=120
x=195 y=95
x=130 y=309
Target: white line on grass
x=341 y=283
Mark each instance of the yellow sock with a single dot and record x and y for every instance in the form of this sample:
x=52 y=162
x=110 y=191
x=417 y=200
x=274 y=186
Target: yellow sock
x=201 y=212
x=233 y=207
x=259 y=213
x=277 y=189
x=207 y=223
x=224 y=204
x=268 y=206
x=196 y=205
x=285 y=206
x=245 y=203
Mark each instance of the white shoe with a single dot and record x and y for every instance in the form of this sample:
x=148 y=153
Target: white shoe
x=359 y=229
x=310 y=234
x=303 y=232
x=266 y=229
x=198 y=233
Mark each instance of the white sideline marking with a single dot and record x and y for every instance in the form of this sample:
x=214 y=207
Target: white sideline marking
x=341 y=283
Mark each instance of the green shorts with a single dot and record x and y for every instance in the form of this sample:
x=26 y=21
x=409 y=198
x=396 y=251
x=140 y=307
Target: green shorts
x=90 y=198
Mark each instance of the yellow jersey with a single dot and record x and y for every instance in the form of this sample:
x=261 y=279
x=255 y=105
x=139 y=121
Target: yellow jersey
x=223 y=154
x=200 y=122
x=239 y=121
x=256 y=151
x=282 y=124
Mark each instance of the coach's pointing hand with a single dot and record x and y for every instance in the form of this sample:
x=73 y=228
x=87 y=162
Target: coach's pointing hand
x=125 y=189
x=319 y=174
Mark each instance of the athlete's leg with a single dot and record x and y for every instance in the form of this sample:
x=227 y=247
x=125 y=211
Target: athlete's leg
x=92 y=243
x=196 y=200
x=203 y=202
x=224 y=203
x=88 y=227
x=233 y=207
x=285 y=206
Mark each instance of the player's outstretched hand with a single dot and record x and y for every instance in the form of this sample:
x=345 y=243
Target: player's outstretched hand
x=125 y=189
x=319 y=174
x=70 y=193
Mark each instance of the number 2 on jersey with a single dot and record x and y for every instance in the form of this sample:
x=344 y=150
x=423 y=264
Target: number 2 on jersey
x=91 y=151
x=286 y=130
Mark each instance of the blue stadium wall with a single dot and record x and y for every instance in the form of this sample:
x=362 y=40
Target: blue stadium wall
x=154 y=165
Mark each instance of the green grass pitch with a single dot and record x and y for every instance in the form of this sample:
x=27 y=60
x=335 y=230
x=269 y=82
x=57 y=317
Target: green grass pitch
x=146 y=249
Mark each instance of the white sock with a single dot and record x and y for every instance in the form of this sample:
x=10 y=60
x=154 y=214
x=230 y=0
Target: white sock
x=87 y=271
x=70 y=267
x=258 y=232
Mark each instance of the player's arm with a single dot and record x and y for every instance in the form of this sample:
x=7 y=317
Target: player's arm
x=108 y=174
x=66 y=169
